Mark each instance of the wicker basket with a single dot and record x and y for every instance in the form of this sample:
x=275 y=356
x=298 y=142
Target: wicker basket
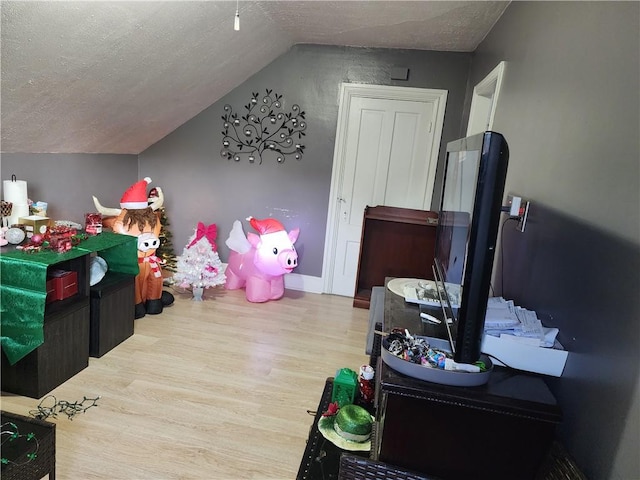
x=6 y=208
x=559 y=465
x=377 y=345
x=358 y=468
x=45 y=461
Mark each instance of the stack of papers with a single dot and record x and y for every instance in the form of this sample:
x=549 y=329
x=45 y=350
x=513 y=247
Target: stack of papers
x=506 y=320
x=501 y=314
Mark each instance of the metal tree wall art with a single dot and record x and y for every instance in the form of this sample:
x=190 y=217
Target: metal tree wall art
x=264 y=128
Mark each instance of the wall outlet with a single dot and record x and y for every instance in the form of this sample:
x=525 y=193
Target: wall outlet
x=524 y=213
x=514 y=205
x=518 y=209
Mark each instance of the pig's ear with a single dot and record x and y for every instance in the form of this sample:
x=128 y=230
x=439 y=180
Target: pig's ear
x=253 y=239
x=293 y=235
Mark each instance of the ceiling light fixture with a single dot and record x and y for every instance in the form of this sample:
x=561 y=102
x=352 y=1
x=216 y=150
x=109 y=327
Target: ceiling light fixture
x=236 y=20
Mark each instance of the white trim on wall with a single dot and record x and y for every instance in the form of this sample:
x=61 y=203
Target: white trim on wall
x=485 y=100
x=295 y=281
x=304 y=283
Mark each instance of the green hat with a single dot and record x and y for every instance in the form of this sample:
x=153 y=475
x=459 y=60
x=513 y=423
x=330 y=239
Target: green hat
x=349 y=429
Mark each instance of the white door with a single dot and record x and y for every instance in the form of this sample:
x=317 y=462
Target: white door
x=387 y=146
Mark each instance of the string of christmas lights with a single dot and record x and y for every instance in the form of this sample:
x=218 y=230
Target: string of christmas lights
x=10 y=433
x=70 y=409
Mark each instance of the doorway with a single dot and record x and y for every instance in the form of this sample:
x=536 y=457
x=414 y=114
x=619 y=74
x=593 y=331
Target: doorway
x=484 y=101
x=386 y=153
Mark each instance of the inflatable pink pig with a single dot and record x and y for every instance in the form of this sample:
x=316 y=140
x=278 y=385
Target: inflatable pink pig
x=258 y=263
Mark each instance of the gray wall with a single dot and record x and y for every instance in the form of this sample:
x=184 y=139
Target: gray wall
x=67 y=181
x=569 y=110
x=201 y=186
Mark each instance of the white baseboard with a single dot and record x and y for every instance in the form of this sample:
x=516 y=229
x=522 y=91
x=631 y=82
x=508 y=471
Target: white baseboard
x=305 y=283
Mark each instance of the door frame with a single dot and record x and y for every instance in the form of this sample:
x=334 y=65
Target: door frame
x=348 y=91
x=484 y=100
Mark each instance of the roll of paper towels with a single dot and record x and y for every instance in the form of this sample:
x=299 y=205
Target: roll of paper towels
x=16 y=212
x=15 y=191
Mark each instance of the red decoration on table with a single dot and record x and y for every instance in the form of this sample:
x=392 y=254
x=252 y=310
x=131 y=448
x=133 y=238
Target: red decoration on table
x=37 y=239
x=332 y=410
x=366 y=384
x=29 y=248
x=93 y=223
x=59 y=239
x=60 y=243
x=63 y=230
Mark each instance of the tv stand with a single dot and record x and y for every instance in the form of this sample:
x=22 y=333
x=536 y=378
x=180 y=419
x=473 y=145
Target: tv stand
x=501 y=430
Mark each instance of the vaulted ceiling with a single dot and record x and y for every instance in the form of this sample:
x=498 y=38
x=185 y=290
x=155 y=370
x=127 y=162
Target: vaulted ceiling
x=116 y=77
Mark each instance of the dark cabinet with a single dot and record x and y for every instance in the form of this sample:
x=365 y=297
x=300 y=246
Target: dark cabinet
x=65 y=350
x=395 y=242
x=112 y=312
x=501 y=430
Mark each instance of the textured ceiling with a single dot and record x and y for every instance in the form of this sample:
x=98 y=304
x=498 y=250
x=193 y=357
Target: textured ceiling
x=116 y=77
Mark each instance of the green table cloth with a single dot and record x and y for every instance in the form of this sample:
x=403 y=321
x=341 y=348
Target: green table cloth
x=23 y=290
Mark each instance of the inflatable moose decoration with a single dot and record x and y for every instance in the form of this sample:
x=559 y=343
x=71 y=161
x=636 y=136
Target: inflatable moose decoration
x=138 y=218
x=258 y=262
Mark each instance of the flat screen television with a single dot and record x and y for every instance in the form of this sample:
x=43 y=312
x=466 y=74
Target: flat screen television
x=469 y=216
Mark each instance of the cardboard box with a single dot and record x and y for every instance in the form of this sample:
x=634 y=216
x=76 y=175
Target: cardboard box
x=65 y=284
x=34 y=224
x=548 y=361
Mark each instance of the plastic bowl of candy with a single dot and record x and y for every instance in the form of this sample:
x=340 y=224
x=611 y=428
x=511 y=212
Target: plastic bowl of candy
x=424 y=358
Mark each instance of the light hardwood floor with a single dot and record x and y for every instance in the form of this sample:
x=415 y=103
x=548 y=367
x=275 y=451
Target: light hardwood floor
x=207 y=390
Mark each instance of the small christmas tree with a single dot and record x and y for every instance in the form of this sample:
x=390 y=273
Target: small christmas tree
x=165 y=250
x=199 y=266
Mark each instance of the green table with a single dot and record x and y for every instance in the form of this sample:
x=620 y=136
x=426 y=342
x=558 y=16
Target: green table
x=23 y=291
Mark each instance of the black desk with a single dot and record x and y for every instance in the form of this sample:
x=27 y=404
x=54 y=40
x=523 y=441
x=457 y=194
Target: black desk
x=501 y=430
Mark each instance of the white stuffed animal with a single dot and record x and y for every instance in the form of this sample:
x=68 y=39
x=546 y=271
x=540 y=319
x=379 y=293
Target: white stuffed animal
x=3 y=240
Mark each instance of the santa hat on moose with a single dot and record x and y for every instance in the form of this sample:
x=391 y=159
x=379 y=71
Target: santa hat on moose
x=135 y=197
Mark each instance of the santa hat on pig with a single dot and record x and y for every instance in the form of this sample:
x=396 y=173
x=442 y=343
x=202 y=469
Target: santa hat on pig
x=268 y=225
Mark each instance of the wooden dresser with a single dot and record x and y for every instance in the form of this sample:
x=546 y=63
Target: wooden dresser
x=395 y=242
